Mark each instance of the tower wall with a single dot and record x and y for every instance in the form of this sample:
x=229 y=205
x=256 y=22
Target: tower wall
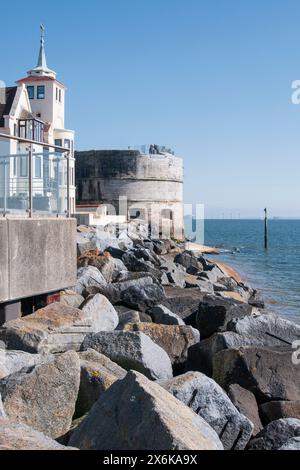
x=151 y=183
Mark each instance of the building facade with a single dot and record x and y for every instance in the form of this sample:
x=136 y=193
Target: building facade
x=35 y=110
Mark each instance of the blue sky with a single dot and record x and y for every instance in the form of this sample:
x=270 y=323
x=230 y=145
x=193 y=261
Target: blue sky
x=210 y=78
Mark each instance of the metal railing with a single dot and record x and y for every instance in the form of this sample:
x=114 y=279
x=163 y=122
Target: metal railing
x=34 y=177
x=152 y=149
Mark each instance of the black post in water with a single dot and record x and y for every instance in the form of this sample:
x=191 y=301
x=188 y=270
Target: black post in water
x=266 y=229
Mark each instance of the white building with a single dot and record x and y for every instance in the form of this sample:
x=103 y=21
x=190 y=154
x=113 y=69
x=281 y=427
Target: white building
x=35 y=110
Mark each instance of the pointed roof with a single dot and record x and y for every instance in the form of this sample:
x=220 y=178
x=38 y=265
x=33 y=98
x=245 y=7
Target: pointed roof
x=42 y=69
x=9 y=94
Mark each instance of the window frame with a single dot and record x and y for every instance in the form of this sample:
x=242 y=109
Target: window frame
x=31 y=88
x=38 y=158
x=39 y=95
x=23 y=166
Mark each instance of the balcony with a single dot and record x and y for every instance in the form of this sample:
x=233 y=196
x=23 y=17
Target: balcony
x=31 y=129
x=33 y=182
x=37 y=234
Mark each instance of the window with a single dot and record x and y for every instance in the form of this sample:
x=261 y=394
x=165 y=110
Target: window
x=58 y=94
x=15 y=166
x=58 y=142
x=23 y=166
x=71 y=176
x=38 y=167
x=22 y=129
x=30 y=91
x=67 y=143
x=40 y=92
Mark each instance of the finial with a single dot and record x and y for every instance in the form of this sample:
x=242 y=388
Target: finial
x=42 y=28
x=41 y=69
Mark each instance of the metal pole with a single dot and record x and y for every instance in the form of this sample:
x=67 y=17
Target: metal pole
x=57 y=186
x=30 y=178
x=266 y=229
x=68 y=186
x=4 y=190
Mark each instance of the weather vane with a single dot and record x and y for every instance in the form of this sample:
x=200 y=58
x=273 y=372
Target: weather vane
x=42 y=28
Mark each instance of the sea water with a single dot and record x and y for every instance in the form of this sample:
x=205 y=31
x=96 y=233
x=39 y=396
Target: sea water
x=275 y=272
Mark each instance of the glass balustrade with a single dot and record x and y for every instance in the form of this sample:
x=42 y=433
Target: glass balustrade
x=33 y=182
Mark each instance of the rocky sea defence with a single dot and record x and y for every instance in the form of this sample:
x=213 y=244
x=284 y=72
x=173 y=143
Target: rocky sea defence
x=157 y=347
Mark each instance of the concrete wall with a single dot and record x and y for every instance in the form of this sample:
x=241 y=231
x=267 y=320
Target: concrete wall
x=36 y=256
x=147 y=181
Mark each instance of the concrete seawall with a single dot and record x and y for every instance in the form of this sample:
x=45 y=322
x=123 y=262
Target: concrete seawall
x=37 y=256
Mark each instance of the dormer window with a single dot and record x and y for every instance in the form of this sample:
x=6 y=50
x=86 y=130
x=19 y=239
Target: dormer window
x=41 y=92
x=30 y=91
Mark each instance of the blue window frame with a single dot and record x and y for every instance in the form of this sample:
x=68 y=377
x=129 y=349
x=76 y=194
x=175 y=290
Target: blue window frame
x=40 y=92
x=30 y=91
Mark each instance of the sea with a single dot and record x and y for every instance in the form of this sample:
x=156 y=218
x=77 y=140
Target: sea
x=275 y=272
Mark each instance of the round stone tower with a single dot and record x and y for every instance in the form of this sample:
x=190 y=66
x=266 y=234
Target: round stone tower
x=146 y=186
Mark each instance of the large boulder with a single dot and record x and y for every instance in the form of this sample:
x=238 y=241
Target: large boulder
x=132 y=350
x=245 y=402
x=190 y=261
x=125 y=242
x=213 y=274
x=55 y=328
x=17 y=436
x=204 y=396
x=215 y=313
x=269 y=329
x=119 y=268
x=276 y=434
x=101 y=312
x=274 y=410
x=136 y=414
x=161 y=314
x=146 y=254
x=87 y=277
x=71 y=298
x=269 y=374
x=116 y=253
x=161 y=247
x=12 y=361
x=201 y=355
x=114 y=292
x=291 y=444
x=183 y=302
x=175 y=272
x=98 y=373
x=84 y=245
x=134 y=264
x=2 y=412
x=174 y=339
x=142 y=298
x=104 y=262
x=127 y=315
x=44 y=396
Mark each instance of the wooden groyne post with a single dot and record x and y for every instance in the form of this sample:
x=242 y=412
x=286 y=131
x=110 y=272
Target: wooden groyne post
x=266 y=229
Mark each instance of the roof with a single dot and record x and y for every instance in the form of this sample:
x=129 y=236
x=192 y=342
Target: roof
x=10 y=93
x=42 y=78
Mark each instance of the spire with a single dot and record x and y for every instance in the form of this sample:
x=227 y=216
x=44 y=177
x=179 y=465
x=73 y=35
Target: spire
x=42 y=63
x=41 y=69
